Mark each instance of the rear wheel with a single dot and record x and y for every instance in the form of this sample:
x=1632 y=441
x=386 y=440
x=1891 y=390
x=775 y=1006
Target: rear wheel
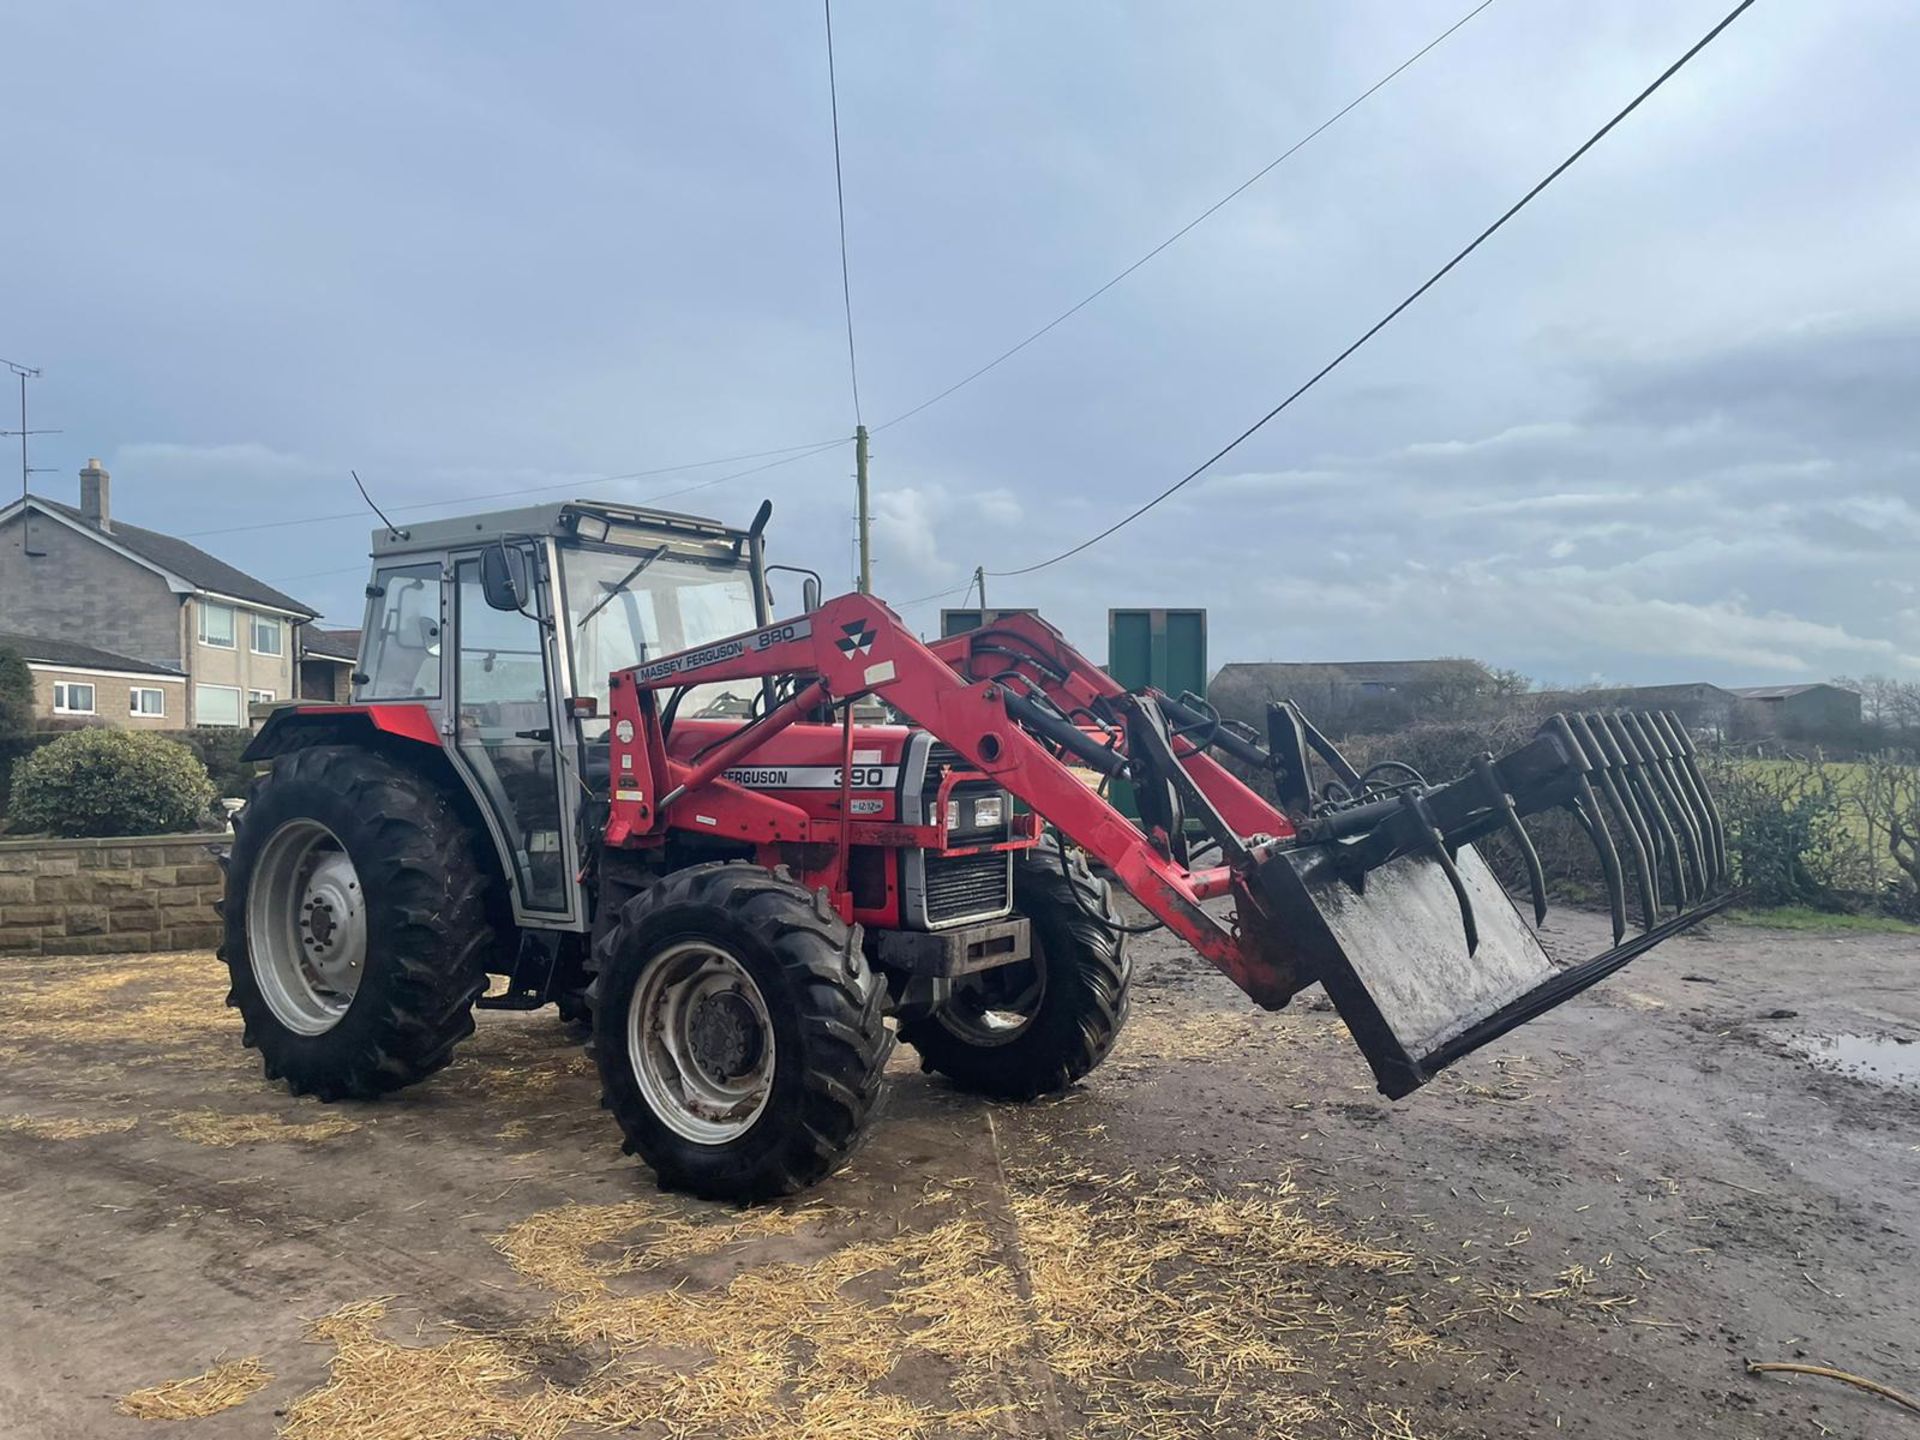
x=1038 y=1025
x=738 y=1032
x=356 y=929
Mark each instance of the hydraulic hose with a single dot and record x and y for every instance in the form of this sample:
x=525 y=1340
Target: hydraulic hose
x=1116 y=926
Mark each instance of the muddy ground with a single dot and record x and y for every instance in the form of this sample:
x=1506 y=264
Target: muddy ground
x=1224 y=1232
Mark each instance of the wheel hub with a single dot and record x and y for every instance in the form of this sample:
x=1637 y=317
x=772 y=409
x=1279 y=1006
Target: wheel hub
x=700 y=1041
x=306 y=927
x=333 y=928
x=725 y=1035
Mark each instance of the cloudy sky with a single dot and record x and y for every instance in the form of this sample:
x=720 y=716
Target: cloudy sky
x=1665 y=426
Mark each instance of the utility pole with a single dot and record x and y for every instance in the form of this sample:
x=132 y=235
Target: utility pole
x=980 y=579
x=25 y=372
x=860 y=482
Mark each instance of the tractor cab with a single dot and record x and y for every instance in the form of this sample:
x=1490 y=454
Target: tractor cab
x=505 y=628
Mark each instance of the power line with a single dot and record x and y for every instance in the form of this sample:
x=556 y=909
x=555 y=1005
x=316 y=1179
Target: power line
x=741 y=474
x=1204 y=215
x=645 y=500
x=797 y=452
x=840 y=198
x=1394 y=313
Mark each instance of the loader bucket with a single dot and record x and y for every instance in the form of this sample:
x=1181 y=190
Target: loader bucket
x=1384 y=899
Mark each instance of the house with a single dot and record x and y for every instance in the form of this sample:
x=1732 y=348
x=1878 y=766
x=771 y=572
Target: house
x=1817 y=709
x=1337 y=693
x=81 y=682
x=327 y=658
x=74 y=576
x=1703 y=708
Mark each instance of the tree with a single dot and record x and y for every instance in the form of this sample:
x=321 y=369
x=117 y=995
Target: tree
x=1889 y=801
x=16 y=699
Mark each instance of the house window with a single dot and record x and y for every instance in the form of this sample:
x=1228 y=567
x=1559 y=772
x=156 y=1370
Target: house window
x=141 y=701
x=216 y=625
x=71 y=697
x=260 y=697
x=266 y=635
x=217 y=705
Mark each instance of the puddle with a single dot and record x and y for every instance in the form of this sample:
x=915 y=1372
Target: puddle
x=1879 y=1058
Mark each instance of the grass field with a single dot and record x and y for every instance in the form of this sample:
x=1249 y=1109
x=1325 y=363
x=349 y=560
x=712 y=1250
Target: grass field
x=1801 y=917
x=1849 y=781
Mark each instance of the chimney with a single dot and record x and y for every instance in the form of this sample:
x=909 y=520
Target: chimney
x=95 y=485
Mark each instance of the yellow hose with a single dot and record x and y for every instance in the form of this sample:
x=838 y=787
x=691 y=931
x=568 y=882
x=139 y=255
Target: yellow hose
x=1756 y=1367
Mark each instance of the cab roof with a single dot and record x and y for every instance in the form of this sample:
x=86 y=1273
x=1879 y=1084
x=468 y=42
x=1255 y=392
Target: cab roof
x=593 y=520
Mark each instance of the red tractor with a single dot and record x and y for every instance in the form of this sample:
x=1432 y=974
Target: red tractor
x=583 y=755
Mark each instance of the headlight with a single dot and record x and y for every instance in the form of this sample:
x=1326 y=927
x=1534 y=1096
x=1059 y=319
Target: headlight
x=987 y=811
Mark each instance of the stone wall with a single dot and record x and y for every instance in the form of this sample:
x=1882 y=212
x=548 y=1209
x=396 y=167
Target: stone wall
x=94 y=897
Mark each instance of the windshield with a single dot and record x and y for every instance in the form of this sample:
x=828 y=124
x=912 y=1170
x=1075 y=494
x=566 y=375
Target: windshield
x=667 y=604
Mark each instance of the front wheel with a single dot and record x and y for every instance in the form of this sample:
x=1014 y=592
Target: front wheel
x=1040 y=1024
x=738 y=1032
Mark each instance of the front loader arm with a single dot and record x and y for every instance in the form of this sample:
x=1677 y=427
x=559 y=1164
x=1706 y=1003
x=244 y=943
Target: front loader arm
x=1370 y=886
x=855 y=646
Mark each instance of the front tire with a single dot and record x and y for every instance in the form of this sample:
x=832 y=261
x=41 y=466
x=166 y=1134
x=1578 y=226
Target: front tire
x=1035 y=1027
x=356 y=923
x=738 y=1032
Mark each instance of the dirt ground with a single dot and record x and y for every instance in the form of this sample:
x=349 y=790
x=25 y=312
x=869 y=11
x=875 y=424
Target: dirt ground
x=1224 y=1232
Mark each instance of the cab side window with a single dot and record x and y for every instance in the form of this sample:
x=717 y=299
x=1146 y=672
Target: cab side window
x=403 y=635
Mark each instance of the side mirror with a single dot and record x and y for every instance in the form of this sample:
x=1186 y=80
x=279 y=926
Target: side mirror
x=503 y=577
x=810 y=594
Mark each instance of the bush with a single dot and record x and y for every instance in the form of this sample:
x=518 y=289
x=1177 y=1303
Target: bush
x=111 y=782
x=219 y=747
x=1788 y=834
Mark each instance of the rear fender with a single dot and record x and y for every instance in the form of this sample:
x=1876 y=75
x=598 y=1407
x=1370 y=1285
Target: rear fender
x=405 y=732
x=297 y=727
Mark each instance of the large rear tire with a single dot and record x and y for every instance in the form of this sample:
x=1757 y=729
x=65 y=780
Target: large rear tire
x=1037 y=1026
x=738 y=1032
x=357 y=934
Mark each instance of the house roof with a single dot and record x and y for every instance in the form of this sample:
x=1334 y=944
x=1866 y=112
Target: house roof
x=1781 y=692
x=1355 y=672
x=189 y=562
x=341 y=645
x=38 y=651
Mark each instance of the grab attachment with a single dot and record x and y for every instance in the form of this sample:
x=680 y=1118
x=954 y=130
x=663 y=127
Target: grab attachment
x=1382 y=897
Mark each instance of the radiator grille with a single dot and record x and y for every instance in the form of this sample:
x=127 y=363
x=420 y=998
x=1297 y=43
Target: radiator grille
x=965 y=887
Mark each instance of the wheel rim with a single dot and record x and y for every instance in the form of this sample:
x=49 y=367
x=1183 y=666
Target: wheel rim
x=701 y=1042
x=306 y=927
x=993 y=1007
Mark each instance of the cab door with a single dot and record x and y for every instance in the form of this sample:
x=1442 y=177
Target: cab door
x=506 y=716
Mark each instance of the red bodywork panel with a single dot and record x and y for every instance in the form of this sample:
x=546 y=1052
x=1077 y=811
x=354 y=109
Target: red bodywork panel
x=405 y=719
x=854 y=646
x=788 y=799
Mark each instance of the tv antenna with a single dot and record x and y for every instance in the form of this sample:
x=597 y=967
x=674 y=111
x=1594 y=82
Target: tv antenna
x=26 y=373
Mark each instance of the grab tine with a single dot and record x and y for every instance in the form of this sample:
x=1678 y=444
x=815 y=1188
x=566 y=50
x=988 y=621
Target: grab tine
x=1646 y=880
x=1637 y=768
x=1497 y=795
x=1689 y=767
x=1437 y=844
x=1660 y=777
x=1617 y=772
x=1586 y=809
x=1677 y=793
